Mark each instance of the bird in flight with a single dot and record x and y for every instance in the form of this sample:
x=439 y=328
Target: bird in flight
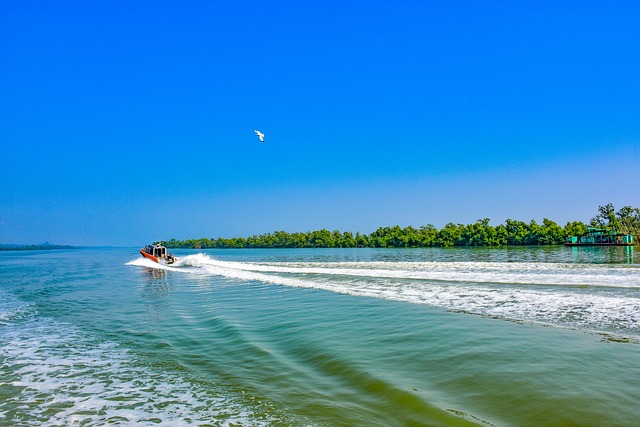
x=260 y=135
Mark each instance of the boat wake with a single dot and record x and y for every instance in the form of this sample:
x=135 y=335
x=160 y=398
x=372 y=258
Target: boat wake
x=53 y=373
x=596 y=297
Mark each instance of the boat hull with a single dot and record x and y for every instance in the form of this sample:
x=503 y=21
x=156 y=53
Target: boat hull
x=161 y=261
x=149 y=256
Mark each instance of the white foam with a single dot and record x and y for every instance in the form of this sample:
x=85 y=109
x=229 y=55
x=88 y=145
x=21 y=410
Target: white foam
x=145 y=262
x=478 y=272
x=12 y=309
x=596 y=297
x=66 y=377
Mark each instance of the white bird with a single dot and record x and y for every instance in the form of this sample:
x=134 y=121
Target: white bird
x=260 y=135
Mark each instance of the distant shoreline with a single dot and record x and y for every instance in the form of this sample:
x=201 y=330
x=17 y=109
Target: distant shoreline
x=4 y=248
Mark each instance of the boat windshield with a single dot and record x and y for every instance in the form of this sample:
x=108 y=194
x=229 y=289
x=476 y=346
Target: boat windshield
x=159 y=251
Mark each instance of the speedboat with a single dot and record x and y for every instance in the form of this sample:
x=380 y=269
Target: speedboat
x=158 y=253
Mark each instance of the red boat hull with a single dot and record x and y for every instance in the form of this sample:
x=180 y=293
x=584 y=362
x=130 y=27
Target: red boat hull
x=146 y=255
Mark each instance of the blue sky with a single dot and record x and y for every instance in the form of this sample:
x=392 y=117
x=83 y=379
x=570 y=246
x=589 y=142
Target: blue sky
x=127 y=122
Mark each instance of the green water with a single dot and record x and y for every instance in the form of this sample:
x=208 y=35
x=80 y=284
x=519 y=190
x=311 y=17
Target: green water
x=534 y=337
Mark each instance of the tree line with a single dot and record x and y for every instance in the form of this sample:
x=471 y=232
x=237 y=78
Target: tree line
x=480 y=233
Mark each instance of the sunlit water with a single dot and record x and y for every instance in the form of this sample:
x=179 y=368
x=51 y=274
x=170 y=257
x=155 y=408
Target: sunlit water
x=349 y=337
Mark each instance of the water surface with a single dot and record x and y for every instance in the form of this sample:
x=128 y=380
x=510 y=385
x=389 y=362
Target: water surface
x=340 y=337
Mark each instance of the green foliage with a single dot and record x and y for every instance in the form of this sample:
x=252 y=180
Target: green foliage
x=450 y=235
x=626 y=220
x=606 y=217
x=517 y=232
x=480 y=233
x=551 y=233
x=575 y=228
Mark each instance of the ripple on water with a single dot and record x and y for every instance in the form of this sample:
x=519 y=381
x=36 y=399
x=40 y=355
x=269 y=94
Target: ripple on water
x=54 y=374
x=599 y=298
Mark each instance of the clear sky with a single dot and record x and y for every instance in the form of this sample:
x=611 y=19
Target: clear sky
x=124 y=122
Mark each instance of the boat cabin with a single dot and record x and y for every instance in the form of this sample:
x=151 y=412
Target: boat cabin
x=157 y=251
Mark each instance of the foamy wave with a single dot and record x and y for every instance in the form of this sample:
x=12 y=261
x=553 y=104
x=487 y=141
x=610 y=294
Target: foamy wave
x=469 y=272
x=12 y=309
x=53 y=374
x=595 y=297
x=145 y=262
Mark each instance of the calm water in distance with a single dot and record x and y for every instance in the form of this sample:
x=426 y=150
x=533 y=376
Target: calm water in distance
x=532 y=336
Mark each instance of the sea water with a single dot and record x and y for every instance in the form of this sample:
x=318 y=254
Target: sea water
x=529 y=336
